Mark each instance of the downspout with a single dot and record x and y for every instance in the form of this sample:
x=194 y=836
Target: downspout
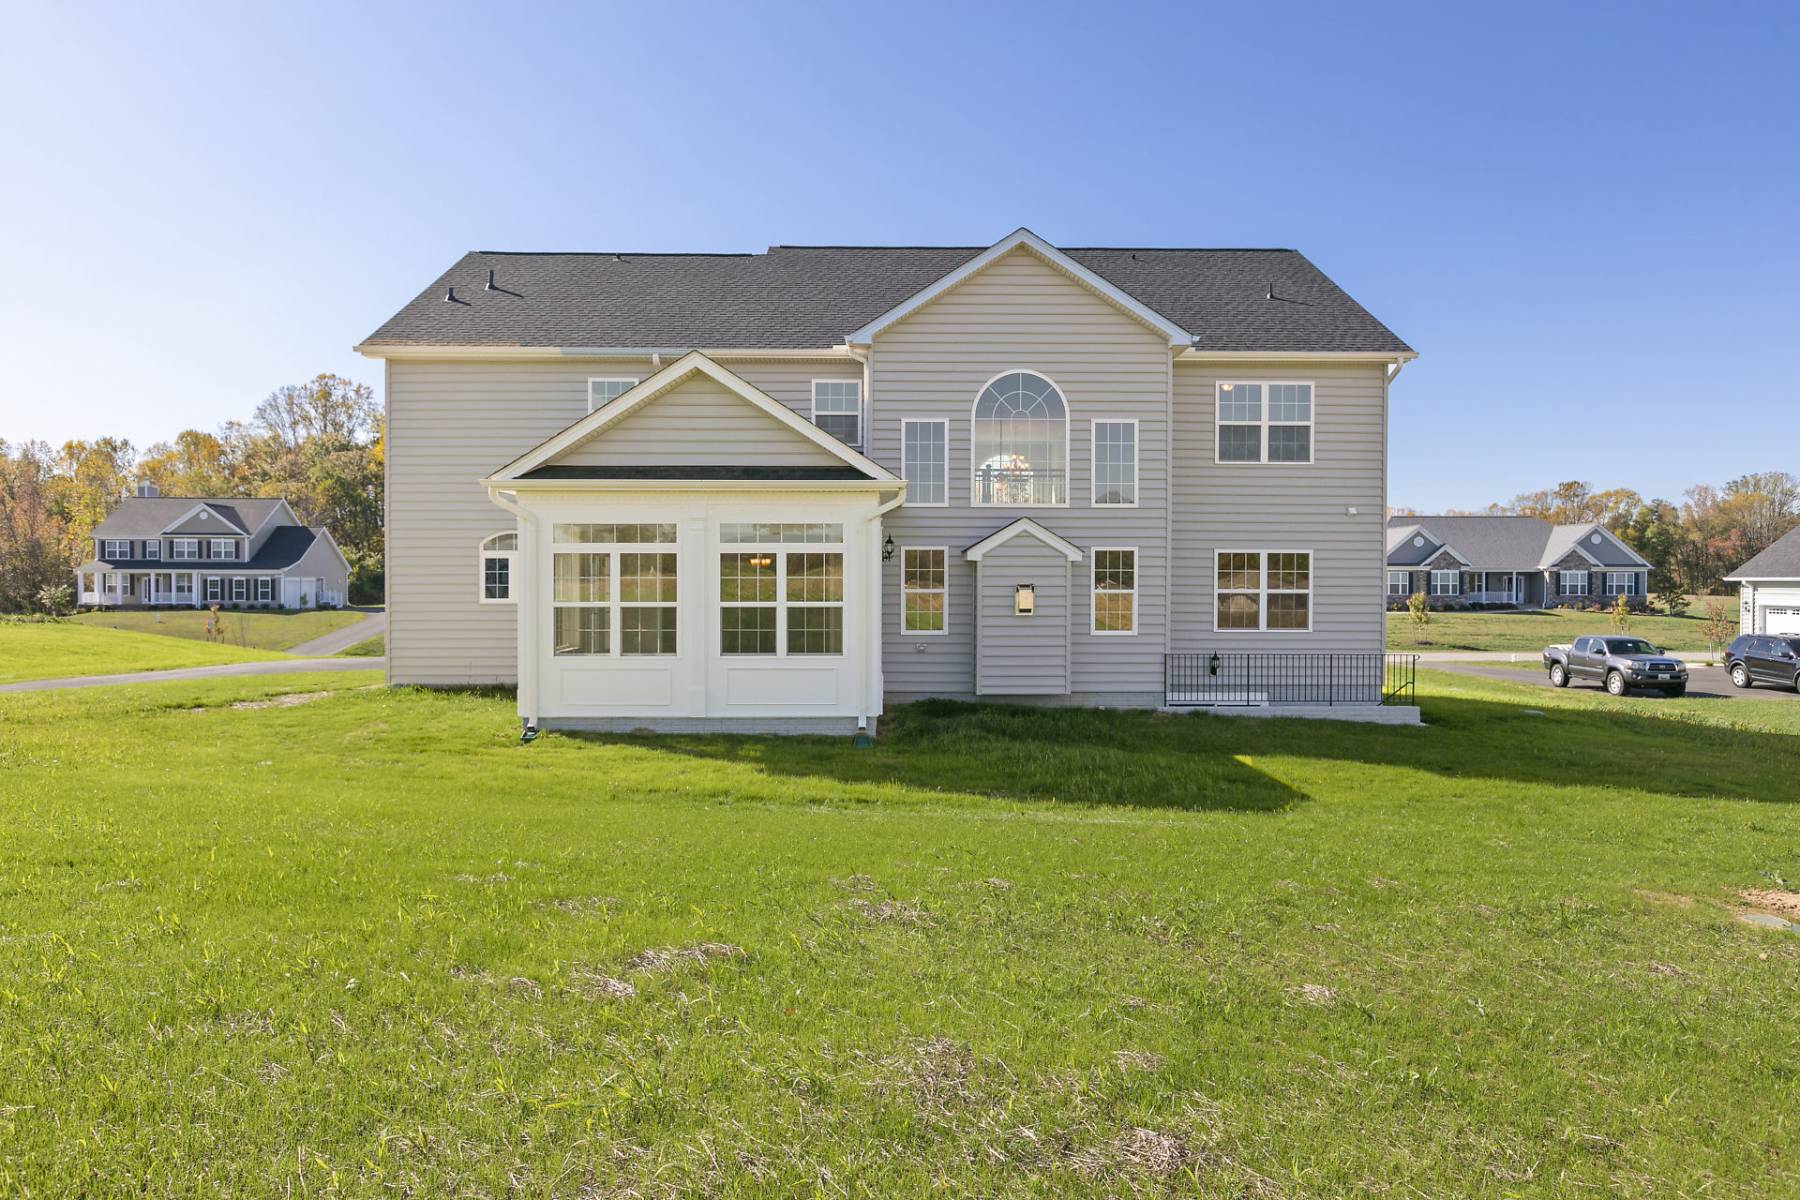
x=873 y=683
x=526 y=612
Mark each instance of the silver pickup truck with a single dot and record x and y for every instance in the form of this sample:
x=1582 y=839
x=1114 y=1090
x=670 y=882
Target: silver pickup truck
x=1616 y=663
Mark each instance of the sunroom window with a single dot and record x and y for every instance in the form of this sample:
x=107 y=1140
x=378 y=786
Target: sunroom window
x=1021 y=442
x=615 y=600
x=778 y=601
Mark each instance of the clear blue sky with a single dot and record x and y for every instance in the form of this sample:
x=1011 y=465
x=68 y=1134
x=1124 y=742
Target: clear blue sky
x=1586 y=217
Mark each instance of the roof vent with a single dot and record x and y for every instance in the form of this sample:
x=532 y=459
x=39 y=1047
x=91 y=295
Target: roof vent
x=1270 y=294
x=490 y=286
x=450 y=295
x=148 y=490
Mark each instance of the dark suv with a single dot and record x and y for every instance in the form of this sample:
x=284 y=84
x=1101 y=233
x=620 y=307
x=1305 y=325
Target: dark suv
x=1765 y=658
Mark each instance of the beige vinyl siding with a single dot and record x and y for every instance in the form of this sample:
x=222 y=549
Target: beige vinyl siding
x=1022 y=314
x=1023 y=656
x=698 y=422
x=452 y=422
x=1262 y=506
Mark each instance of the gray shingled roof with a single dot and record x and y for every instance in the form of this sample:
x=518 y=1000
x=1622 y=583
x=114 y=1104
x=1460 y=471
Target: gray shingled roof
x=147 y=516
x=1503 y=543
x=1780 y=561
x=814 y=296
x=285 y=546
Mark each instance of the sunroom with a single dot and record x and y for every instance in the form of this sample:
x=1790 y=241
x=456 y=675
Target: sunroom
x=663 y=581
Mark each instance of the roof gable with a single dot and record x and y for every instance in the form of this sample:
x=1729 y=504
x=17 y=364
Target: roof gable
x=205 y=518
x=566 y=448
x=1779 y=561
x=1025 y=527
x=151 y=516
x=1024 y=239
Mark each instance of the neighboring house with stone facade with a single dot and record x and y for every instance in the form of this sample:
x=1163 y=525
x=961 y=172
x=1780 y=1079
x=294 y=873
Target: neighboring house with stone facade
x=1769 y=588
x=779 y=491
x=1521 y=562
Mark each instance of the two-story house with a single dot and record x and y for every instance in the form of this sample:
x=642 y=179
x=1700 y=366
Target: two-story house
x=155 y=551
x=781 y=490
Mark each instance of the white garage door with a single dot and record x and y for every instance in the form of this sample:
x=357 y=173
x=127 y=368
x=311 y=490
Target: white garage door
x=1781 y=620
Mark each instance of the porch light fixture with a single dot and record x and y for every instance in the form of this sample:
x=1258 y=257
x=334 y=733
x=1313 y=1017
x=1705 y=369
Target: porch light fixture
x=1212 y=664
x=887 y=548
x=1024 y=599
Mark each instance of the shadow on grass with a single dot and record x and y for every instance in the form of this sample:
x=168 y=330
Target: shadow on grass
x=1201 y=762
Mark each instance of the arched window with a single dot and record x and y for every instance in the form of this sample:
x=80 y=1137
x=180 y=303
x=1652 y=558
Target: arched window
x=497 y=557
x=1021 y=442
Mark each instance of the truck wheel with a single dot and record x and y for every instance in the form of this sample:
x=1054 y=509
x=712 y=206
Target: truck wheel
x=1740 y=677
x=1615 y=683
x=1559 y=675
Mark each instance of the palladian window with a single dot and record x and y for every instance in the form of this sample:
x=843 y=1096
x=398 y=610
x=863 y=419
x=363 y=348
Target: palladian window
x=1021 y=442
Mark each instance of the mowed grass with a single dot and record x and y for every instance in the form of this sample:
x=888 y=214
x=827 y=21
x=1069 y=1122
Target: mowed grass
x=255 y=630
x=1502 y=630
x=55 y=649
x=373 y=647
x=362 y=942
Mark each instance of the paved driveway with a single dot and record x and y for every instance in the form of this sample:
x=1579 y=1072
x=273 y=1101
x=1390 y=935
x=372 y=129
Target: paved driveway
x=1707 y=683
x=373 y=622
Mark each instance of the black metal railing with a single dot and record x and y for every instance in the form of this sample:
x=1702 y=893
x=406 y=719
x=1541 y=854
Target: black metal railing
x=1020 y=485
x=1255 y=679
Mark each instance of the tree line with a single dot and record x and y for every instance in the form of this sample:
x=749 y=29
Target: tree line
x=1690 y=546
x=319 y=445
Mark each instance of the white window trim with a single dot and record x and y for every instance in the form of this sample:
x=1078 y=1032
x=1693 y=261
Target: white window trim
x=482 y=554
x=1263 y=591
x=264 y=583
x=1094 y=461
x=1562 y=583
x=215 y=590
x=240 y=590
x=630 y=381
x=943 y=424
x=1405 y=578
x=153 y=549
x=943 y=591
x=1265 y=424
x=614 y=605
x=177 y=545
x=1094 y=553
x=1628 y=578
x=230 y=546
x=1431 y=581
x=862 y=433
x=780 y=551
x=1068 y=451
x=115 y=548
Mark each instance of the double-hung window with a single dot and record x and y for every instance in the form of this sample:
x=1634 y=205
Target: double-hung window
x=117 y=548
x=185 y=549
x=153 y=548
x=215 y=589
x=225 y=548
x=922 y=589
x=613 y=589
x=605 y=391
x=1115 y=463
x=1264 y=422
x=1572 y=583
x=1399 y=583
x=837 y=409
x=495 y=561
x=240 y=589
x=1263 y=590
x=265 y=589
x=1621 y=583
x=781 y=588
x=1446 y=583
x=1115 y=590
x=925 y=461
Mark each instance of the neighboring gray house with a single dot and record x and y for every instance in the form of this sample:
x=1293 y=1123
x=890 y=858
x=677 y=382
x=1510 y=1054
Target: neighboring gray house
x=158 y=551
x=781 y=490
x=1520 y=561
x=1769 y=588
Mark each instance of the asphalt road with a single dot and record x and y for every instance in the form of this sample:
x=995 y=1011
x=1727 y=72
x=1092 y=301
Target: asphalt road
x=1708 y=683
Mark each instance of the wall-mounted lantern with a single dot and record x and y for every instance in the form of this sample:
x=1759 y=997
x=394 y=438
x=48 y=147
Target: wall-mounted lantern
x=1024 y=599
x=1212 y=664
x=887 y=548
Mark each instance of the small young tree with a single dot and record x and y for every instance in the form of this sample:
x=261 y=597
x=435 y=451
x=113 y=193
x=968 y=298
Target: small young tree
x=55 y=599
x=1673 y=603
x=1720 y=627
x=1418 y=611
x=1621 y=615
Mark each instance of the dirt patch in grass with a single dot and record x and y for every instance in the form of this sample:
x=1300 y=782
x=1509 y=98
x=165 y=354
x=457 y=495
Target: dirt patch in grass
x=1664 y=898
x=1772 y=900
x=1317 y=993
x=890 y=912
x=656 y=960
x=935 y=1071
x=1138 y=1152
x=595 y=985
x=289 y=700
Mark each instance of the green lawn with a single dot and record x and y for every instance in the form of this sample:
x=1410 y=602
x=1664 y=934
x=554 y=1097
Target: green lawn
x=1501 y=630
x=373 y=647
x=362 y=942
x=54 y=649
x=255 y=630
